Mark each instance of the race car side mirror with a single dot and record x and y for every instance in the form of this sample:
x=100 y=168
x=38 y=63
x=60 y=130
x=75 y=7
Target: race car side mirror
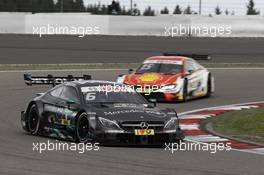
x=130 y=71
x=153 y=101
x=70 y=102
x=39 y=94
x=190 y=71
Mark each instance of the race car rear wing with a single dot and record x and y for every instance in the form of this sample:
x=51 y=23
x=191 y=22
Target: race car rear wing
x=52 y=80
x=194 y=56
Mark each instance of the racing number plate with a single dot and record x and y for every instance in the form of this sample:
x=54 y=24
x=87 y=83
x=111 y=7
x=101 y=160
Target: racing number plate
x=144 y=132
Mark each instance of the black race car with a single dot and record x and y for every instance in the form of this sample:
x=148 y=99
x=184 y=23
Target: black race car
x=85 y=111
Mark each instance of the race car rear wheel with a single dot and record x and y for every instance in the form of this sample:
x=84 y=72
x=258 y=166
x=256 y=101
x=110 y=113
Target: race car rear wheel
x=209 y=86
x=185 y=91
x=33 y=120
x=83 y=128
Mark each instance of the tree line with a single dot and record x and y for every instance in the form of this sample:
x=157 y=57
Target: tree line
x=251 y=10
x=43 y=6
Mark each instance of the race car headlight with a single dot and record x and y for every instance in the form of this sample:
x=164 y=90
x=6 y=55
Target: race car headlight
x=171 y=124
x=120 y=79
x=109 y=124
x=170 y=88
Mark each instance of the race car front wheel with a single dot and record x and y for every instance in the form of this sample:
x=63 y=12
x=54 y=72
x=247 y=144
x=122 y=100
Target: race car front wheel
x=83 y=128
x=33 y=120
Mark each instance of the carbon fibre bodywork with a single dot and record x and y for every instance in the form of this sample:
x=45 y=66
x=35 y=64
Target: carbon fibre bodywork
x=120 y=120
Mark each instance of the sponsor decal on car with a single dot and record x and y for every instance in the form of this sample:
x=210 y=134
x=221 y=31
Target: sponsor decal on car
x=149 y=77
x=65 y=122
x=144 y=132
x=150 y=112
x=160 y=61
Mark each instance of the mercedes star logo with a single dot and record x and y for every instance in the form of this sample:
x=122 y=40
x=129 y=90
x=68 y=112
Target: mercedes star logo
x=144 y=125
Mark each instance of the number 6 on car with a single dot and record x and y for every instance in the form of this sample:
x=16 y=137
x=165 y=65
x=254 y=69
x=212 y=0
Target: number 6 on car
x=81 y=111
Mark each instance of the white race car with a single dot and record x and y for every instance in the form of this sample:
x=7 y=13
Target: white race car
x=171 y=78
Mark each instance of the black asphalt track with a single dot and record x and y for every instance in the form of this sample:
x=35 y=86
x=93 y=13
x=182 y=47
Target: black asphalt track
x=31 y=49
x=18 y=158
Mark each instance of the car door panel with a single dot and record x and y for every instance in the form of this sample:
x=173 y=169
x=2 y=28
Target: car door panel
x=67 y=112
x=195 y=79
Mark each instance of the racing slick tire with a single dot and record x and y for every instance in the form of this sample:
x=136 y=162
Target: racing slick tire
x=83 y=134
x=209 y=86
x=185 y=91
x=33 y=120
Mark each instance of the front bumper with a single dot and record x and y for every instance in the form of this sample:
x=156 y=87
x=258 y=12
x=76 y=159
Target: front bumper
x=160 y=96
x=129 y=137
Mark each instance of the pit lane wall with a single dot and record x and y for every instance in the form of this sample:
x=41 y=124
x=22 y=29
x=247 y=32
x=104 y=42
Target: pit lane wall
x=26 y=23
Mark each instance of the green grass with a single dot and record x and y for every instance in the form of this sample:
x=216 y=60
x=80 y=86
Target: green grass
x=6 y=67
x=245 y=124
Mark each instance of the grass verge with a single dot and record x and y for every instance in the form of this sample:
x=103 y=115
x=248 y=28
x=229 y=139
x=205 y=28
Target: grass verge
x=246 y=124
x=10 y=67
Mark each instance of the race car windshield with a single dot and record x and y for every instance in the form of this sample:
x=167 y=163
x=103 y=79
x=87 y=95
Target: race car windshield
x=159 y=68
x=95 y=96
